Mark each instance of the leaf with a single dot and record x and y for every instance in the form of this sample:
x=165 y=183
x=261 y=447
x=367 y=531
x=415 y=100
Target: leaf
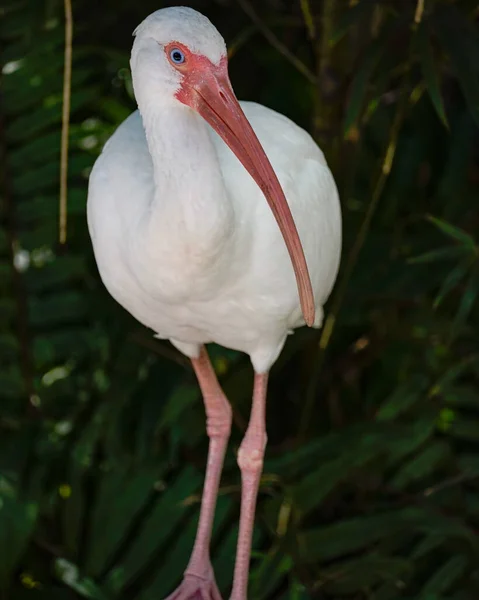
x=461 y=396
x=461 y=43
x=455 y=371
x=172 y=565
x=358 y=447
x=61 y=271
x=23 y=46
x=73 y=506
x=453 y=192
x=182 y=398
x=45 y=177
x=389 y=591
x=113 y=109
x=9 y=346
x=174 y=560
x=428 y=544
x=224 y=558
x=5 y=275
x=121 y=497
x=44 y=208
x=452 y=280
x=267 y=576
x=7 y=310
x=467 y=301
x=169 y=510
x=17 y=520
x=359 y=85
x=430 y=71
x=422 y=465
x=454 y=232
x=56 y=308
x=44 y=593
x=445 y=576
x=32 y=124
x=40 y=148
x=440 y=254
x=464 y=429
x=309 y=492
x=3 y=240
x=374 y=53
x=344 y=537
x=353 y=576
x=24 y=97
x=12 y=382
x=69 y=574
x=469 y=464
x=306 y=456
x=402 y=398
x=67 y=342
x=347 y=19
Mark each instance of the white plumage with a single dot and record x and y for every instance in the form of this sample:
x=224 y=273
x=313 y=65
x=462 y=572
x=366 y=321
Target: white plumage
x=183 y=237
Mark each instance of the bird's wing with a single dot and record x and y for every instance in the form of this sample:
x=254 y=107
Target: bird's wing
x=280 y=136
x=121 y=187
x=311 y=194
x=123 y=173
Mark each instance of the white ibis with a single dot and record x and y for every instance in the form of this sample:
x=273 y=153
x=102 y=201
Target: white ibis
x=185 y=241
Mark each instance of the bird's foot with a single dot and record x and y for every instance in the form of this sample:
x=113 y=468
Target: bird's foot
x=196 y=588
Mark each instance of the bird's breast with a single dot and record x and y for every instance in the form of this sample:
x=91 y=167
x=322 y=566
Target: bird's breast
x=177 y=263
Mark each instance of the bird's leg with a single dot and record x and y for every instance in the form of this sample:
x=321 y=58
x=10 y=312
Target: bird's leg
x=218 y=427
x=199 y=582
x=250 y=461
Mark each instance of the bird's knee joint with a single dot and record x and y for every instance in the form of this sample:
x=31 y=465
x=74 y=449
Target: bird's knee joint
x=218 y=421
x=250 y=457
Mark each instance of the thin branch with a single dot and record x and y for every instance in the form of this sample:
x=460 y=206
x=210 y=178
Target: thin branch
x=461 y=478
x=340 y=293
x=161 y=349
x=67 y=85
x=308 y=18
x=244 y=36
x=50 y=548
x=275 y=42
x=324 y=48
x=405 y=97
x=419 y=12
x=327 y=105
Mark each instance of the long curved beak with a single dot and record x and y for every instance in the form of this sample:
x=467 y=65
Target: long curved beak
x=209 y=92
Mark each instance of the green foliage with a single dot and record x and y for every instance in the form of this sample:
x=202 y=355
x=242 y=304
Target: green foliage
x=370 y=489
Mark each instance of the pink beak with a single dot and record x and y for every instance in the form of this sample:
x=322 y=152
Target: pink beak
x=208 y=90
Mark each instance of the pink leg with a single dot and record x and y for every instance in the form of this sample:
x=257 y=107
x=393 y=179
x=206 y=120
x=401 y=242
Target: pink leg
x=199 y=582
x=250 y=461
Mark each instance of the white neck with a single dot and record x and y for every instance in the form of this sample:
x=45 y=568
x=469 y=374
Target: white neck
x=191 y=218
x=186 y=169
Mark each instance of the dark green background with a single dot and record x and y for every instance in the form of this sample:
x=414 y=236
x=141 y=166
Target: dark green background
x=370 y=488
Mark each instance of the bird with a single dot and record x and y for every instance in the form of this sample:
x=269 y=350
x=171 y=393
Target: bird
x=213 y=221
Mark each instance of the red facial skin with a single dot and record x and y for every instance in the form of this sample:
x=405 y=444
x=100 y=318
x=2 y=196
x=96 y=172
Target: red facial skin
x=206 y=88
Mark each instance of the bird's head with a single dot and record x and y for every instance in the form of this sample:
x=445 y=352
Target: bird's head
x=179 y=57
x=171 y=46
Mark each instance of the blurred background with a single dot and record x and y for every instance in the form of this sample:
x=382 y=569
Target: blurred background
x=370 y=488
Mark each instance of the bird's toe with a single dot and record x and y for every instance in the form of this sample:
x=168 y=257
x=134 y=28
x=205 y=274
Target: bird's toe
x=196 y=588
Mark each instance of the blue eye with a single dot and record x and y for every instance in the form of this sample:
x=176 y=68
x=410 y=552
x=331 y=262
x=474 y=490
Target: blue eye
x=177 y=56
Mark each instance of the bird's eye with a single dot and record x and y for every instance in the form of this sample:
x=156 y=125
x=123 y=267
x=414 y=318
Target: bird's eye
x=177 y=56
